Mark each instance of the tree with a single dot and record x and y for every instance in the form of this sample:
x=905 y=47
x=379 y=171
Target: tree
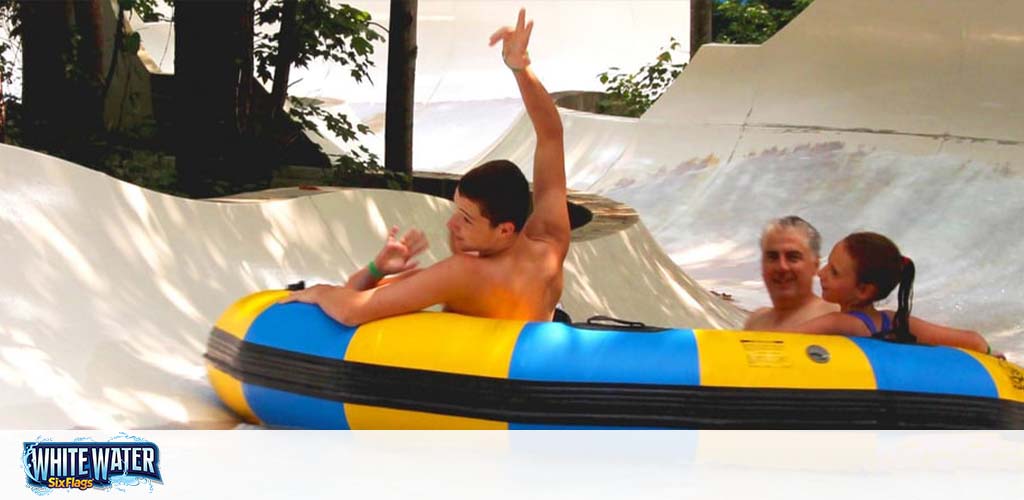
x=700 y=24
x=48 y=49
x=288 y=46
x=213 y=102
x=733 y=21
x=631 y=94
x=229 y=131
x=401 y=85
x=341 y=34
x=753 y=21
x=9 y=32
x=67 y=71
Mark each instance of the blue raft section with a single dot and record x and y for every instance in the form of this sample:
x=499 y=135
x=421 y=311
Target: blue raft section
x=292 y=366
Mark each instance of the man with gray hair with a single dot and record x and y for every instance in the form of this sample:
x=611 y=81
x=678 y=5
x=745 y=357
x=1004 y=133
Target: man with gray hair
x=790 y=257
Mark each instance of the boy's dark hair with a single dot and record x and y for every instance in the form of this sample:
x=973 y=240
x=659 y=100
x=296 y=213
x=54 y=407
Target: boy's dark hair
x=501 y=190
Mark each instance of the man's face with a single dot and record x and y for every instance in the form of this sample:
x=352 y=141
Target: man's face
x=469 y=230
x=788 y=265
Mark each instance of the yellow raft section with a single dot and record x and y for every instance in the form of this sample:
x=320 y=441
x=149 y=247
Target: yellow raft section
x=483 y=347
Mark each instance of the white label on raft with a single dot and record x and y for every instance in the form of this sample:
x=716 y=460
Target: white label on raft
x=766 y=353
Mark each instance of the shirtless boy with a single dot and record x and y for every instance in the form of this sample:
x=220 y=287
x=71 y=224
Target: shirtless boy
x=505 y=264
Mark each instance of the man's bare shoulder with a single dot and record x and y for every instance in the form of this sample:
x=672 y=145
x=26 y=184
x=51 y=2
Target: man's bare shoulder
x=820 y=308
x=768 y=319
x=811 y=310
x=759 y=319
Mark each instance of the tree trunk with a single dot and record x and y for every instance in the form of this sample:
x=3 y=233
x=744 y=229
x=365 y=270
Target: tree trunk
x=400 y=91
x=3 y=110
x=88 y=20
x=213 y=79
x=61 y=76
x=46 y=44
x=287 y=48
x=89 y=82
x=700 y=24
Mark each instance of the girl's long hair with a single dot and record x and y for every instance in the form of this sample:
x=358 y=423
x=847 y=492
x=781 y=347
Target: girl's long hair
x=880 y=263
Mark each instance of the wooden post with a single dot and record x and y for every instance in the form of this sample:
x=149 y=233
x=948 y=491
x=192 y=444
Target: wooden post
x=401 y=83
x=700 y=24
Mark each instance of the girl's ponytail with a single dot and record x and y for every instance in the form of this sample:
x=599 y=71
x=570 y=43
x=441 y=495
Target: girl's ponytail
x=901 y=323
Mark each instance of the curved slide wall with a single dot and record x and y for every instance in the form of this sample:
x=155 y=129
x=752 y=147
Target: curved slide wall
x=108 y=291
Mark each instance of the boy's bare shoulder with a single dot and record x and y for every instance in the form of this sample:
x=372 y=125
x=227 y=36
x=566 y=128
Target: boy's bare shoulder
x=464 y=263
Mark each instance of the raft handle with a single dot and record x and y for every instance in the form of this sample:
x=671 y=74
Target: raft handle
x=615 y=324
x=294 y=287
x=600 y=320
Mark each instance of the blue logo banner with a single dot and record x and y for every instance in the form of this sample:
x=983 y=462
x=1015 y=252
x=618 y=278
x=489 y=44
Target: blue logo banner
x=82 y=464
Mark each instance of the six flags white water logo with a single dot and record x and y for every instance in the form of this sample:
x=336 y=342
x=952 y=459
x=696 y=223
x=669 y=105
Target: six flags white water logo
x=83 y=465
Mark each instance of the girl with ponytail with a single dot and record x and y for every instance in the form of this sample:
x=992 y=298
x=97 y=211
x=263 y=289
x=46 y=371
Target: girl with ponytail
x=864 y=268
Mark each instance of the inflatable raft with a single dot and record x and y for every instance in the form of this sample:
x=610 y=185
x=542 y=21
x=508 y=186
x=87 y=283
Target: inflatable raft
x=289 y=365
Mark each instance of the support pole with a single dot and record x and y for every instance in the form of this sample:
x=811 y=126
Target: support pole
x=401 y=82
x=700 y=24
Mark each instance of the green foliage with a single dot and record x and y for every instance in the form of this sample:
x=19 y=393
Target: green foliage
x=305 y=111
x=631 y=94
x=144 y=8
x=339 y=34
x=10 y=35
x=141 y=167
x=752 y=21
x=359 y=167
x=733 y=21
x=352 y=170
x=342 y=35
x=10 y=27
x=90 y=144
x=132 y=43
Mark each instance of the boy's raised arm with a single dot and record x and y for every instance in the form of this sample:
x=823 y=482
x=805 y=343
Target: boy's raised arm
x=550 y=217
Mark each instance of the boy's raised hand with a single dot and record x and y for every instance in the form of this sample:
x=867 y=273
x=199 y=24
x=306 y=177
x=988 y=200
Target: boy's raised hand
x=396 y=256
x=515 y=42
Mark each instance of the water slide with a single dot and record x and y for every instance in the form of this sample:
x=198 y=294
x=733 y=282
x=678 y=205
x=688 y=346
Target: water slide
x=109 y=291
x=897 y=117
x=901 y=118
